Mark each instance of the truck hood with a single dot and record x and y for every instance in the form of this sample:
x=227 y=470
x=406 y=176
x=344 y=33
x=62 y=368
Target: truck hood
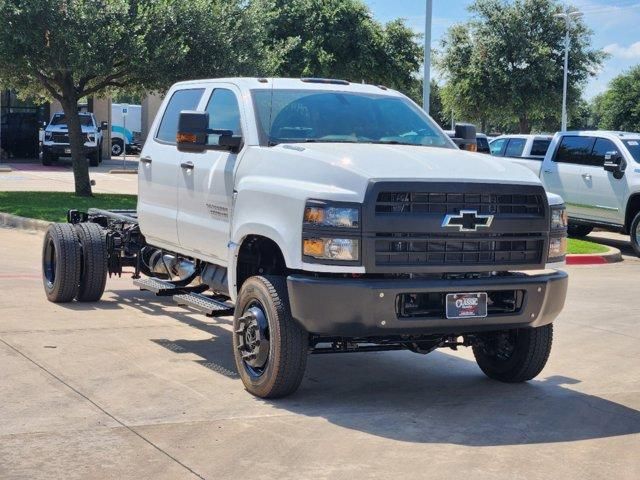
x=64 y=129
x=376 y=161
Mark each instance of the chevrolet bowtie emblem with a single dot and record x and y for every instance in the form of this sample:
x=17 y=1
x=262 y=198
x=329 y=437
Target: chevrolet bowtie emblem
x=467 y=221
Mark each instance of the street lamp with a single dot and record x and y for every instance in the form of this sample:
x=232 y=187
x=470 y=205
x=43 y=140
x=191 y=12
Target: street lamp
x=426 y=83
x=568 y=15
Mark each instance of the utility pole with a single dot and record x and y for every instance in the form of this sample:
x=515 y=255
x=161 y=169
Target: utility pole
x=568 y=15
x=426 y=83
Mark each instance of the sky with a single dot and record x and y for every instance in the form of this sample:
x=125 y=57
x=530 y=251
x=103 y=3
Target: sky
x=615 y=25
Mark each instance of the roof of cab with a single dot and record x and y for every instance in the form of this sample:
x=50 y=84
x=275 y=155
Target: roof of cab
x=253 y=83
x=603 y=133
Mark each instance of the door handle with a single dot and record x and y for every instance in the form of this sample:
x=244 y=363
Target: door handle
x=586 y=176
x=146 y=160
x=548 y=171
x=187 y=165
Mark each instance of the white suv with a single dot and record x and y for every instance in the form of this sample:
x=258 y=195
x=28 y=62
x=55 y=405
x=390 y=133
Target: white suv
x=526 y=150
x=598 y=175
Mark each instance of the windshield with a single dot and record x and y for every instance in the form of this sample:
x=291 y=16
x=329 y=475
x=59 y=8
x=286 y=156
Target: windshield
x=295 y=116
x=634 y=148
x=85 y=120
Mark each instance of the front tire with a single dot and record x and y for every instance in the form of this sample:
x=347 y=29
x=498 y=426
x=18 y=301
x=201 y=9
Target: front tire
x=270 y=348
x=635 y=234
x=94 y=158
x=60 y=263
x=578 y=231
x=48 y=159
x=514 y=356
x=117 y=147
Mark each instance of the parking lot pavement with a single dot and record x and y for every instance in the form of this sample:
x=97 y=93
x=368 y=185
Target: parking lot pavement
x=33 y=176
x=134 y=387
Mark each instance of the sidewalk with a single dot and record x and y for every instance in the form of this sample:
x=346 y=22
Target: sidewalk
x=33 y=176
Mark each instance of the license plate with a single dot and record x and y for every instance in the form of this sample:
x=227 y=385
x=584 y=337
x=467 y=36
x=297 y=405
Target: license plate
x=67 y=150
x=466 y=305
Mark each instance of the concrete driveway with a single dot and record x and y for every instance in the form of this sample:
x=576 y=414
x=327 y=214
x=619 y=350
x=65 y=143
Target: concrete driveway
x=134 y=387
x=33 y=176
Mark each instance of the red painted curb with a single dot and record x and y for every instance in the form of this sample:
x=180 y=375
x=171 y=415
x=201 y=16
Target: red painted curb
x=586 y=260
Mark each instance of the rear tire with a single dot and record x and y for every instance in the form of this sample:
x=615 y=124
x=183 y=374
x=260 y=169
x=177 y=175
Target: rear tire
x=47 y=159
x=93 y=275
x=61 y=263
x=578 y=231
x=117 y=147
x=270 y=348
x=635 y=234
x=514 y=356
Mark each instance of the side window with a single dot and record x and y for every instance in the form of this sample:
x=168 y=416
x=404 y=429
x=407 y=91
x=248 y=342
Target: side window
x=224 y=113
x=574 y=149
x=180 y=100
x=600 y=149
x=539 y=147
x=497 y=146
x=515 y=147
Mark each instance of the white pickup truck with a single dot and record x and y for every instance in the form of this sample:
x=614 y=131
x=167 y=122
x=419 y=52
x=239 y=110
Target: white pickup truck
x=598 y=175
x=327 y=217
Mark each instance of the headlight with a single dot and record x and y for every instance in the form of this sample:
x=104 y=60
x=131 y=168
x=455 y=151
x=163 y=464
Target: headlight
x=559 y=219
x=90 y=137
x=558 y=234
x=342 y=249
x=48 y=136
x=317 y=214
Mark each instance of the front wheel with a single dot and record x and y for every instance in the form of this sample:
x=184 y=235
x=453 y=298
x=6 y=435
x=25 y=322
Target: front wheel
x=514 y=356
x=635 y=234
x=578 y=231
x=270 y=348
x=117 y=147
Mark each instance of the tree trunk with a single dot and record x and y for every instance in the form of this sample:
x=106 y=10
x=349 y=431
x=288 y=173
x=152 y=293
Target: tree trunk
x=523 y=124
x=76 y=142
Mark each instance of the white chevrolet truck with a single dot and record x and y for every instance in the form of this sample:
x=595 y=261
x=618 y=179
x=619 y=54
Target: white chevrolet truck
x=327 y=216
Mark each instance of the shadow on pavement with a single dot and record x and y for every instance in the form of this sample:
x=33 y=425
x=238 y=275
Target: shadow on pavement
x=403 y=396
x=623 y=245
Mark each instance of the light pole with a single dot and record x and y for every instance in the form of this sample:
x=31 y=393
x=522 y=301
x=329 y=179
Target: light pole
x=568 y=15
x=426 y=83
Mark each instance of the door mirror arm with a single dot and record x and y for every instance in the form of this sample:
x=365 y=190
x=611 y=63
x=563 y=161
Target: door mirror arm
x=616 y=164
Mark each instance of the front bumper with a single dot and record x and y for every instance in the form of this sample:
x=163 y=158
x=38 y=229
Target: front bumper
x=359 y=307
x=62 y=150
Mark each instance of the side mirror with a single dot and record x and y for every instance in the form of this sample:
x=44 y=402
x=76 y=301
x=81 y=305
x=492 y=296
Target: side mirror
x=104 y=125
x=43 y=124
x=465 y=137
x=193 y=134
x=615 y=163
x=192 y=131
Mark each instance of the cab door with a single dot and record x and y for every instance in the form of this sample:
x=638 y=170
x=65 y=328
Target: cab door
x=205 y=183
x=603 y=192
x=159 y=171
x=563 y=174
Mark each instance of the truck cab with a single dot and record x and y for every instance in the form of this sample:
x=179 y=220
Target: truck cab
x=335 y=217
x=598 y=175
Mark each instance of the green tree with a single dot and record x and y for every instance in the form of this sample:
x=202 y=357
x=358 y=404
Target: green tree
x=340 y=39
x=506 y=64
x=70 y=49
x=619 y=107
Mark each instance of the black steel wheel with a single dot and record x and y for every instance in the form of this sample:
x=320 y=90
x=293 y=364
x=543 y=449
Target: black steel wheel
x=117 y=147
x=270 y=347
x=93 y=274
x=514 y=356
x=60 y=263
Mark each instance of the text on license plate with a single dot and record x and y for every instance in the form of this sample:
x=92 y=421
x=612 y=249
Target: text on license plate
x=466 y=305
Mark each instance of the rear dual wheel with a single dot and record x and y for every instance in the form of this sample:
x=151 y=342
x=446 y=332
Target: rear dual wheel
x=74 y=262
x=270 y=347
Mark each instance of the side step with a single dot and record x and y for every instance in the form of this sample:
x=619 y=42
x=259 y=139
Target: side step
x=163 y=288
x=204 y=304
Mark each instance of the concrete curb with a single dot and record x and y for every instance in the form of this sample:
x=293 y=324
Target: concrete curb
x=612 y=256
x=121 y=171
x=23 y=223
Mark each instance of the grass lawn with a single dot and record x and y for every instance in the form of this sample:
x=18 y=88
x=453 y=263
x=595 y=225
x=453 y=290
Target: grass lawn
x=582 y=246
x=53 y=206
